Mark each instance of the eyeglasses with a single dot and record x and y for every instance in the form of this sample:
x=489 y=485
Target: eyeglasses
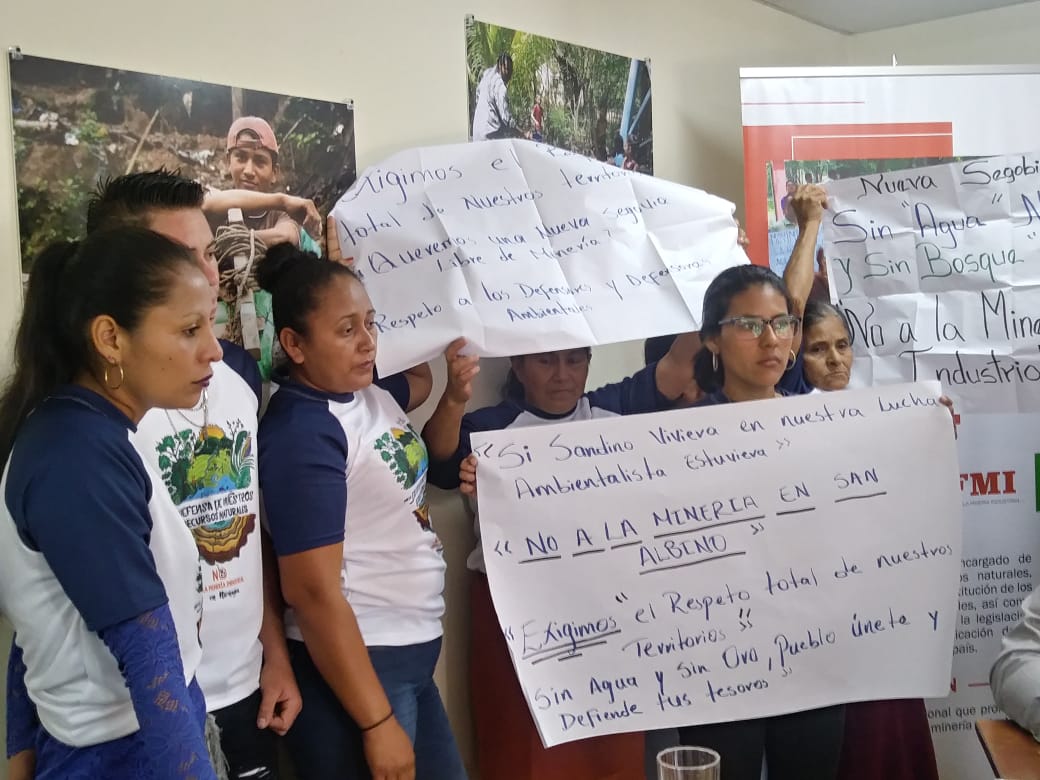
x=783 y=326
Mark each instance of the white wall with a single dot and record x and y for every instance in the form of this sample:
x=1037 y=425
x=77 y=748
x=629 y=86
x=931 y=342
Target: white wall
x=403 y=64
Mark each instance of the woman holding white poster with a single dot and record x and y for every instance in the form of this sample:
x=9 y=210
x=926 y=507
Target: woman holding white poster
x=544 y=388
x=884 y=740
x=750 y=338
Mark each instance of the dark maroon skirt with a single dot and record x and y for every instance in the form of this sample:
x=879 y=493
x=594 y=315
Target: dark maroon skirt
x=507 y=742
x=887 y=740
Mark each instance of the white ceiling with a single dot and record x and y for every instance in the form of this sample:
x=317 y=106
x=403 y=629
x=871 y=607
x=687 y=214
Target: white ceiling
x=859 y=16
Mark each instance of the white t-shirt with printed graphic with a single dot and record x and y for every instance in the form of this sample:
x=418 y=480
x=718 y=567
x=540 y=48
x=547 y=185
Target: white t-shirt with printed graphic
x=207 y=459
x=364 y=468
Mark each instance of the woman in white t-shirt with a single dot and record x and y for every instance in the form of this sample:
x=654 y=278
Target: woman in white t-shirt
x=344 y=488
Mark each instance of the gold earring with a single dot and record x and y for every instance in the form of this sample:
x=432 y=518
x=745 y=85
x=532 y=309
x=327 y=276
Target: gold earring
x=792 y=361
x=122 y=376
x=715 y=362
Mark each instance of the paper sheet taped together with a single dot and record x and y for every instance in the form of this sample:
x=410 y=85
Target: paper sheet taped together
x=522 y=247
x=938 y=271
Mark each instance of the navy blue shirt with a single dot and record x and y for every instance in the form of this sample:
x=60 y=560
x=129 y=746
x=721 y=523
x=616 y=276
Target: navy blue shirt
x=82 y=501
x=793 y=382
x=719 y=397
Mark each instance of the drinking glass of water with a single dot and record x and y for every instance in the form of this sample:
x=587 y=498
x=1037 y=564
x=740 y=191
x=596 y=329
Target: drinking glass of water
x=688 y=763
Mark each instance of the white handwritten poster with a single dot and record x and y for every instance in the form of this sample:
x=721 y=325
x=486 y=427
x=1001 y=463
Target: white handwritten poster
x=938 y=270
x=726 y=562
x=518 y=246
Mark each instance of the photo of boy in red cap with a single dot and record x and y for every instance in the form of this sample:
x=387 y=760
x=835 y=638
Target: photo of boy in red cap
x=246 y=221
x=271 y=165
x=252 y=156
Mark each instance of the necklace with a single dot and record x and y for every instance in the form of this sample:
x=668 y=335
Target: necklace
x=202 y=428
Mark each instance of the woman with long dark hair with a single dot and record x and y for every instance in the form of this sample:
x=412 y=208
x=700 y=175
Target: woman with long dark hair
x=98 y=573
x=748 y=334
x=883 y=740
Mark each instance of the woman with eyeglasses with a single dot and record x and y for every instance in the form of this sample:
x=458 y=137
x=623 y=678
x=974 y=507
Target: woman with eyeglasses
x=794 y=380
x=750 y=338
x=883 y=740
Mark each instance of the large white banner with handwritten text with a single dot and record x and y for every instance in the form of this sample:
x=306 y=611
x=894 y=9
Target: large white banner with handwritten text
x=727 y=562
x=938 y=270
x=519 y=246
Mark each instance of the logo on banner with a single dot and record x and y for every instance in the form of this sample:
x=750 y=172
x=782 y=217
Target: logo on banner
x=989 y=487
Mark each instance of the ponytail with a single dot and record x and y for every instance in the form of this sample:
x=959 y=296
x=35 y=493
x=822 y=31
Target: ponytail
x=41 y=348
x=296 y=280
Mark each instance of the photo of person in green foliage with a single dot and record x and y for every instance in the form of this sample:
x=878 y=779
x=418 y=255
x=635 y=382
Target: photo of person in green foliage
x=580 y=99
x=272 y=166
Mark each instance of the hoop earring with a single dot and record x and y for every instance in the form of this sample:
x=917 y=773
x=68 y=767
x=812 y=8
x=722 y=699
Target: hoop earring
x=715 y=362
x=122 y=377
x=792 y=361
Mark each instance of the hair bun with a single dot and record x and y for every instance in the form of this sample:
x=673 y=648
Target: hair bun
x=280 y=260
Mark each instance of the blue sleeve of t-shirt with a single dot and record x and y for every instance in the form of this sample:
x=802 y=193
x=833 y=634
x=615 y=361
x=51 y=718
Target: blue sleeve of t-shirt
x=244 y=365
x=793 y=381
x=633 y=395
x=171 y=715
x=397 y=386
x=80 y=498
x=302 y=467
x=22 y=721
x=445 y=473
